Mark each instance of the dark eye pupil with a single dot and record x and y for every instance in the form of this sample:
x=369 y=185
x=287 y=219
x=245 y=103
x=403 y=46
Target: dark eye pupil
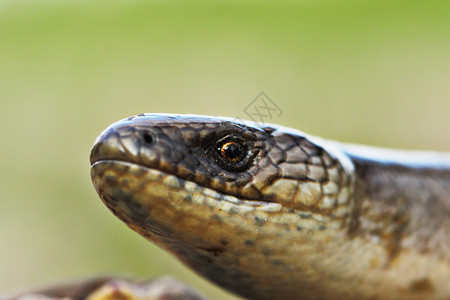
x=231 y=151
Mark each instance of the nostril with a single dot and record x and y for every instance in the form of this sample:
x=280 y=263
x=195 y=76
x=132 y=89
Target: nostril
x=148 y=138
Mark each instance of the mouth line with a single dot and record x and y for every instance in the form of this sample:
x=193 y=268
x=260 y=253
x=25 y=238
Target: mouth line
x=115 y=160
x=208 y=190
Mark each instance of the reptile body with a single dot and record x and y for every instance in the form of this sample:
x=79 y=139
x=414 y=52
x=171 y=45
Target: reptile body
x=272 y=213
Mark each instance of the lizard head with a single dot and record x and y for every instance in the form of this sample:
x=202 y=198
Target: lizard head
x=228 y=198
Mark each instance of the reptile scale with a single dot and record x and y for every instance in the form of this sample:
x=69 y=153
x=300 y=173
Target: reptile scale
x=272 y=213
x=269 y=212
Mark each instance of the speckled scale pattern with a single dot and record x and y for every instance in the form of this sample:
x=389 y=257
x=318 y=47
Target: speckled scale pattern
x=305 y=218
x=287 y=168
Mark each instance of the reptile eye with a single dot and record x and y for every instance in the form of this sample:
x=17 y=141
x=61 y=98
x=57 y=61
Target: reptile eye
x=233 y=153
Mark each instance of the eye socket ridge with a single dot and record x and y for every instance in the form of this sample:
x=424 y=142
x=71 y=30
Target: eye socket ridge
x=233 y=153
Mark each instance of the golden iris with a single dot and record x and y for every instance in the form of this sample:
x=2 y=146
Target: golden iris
x=231 y=151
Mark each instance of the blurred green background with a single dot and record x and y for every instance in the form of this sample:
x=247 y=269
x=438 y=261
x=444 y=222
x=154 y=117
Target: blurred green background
x=374 y=72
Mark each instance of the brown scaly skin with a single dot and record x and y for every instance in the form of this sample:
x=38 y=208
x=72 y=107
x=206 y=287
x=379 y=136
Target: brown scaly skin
x=293 y=216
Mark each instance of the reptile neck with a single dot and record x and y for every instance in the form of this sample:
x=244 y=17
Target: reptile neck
x=404 y=203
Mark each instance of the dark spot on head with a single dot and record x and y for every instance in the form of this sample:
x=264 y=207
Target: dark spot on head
x=322 y=227
x=108 y=199
x=205 y=258
x=259 y=221
x=148 y=138
x=217 y=219
x=249 y=242
x=224 y=242
x=233 y=211
x=304 y=215
x=299 y=228
x=216 y=251
x=265 y=251
x=276 y=262
x=422 y=285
